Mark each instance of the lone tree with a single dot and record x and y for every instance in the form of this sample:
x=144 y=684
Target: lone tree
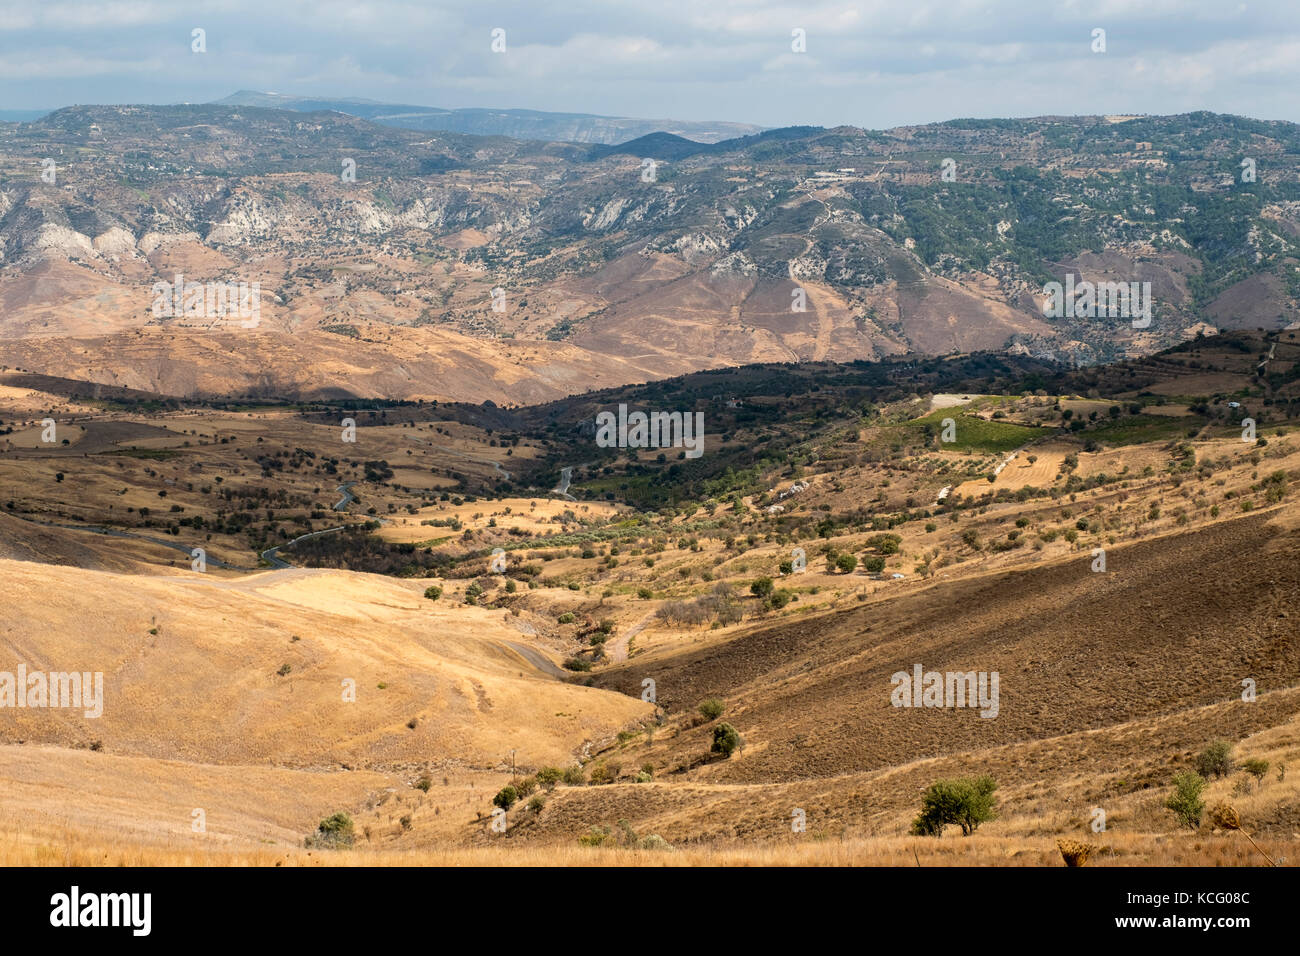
x=967 y=802
x=1215 y=760
x=1186 y=800
x=725 y=739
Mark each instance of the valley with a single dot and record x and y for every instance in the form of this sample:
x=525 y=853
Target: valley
x=508 y=606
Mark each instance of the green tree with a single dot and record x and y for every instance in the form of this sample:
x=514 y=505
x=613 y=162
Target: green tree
x=967 y=802
x=1215 y=760
x=711 y=708
x=334 y=831
x=725 y=739
x=846 y=563
x=1186 y=800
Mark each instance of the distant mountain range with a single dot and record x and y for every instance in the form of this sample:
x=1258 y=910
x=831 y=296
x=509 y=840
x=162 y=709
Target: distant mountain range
x=517 y=124
x=425 y=263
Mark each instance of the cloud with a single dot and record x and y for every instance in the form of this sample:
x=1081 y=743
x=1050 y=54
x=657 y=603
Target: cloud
x=887 y=62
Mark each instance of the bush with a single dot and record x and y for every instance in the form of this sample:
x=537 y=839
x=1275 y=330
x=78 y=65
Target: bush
x=873 y=565
x=846 y=563
x=566 y=618
x=1185 y=801
x=725 y=739
x=548 y=777
x=433 y=592
x=967 y=802
x=778 y=599
x=505 y=797
x=536 y=803
x=575 y=777
x=1215 y=760
x=712 y=708
x=334 y=831
x=761 y=588
x=1256 y=768
x=424 y=783
x=575 y=664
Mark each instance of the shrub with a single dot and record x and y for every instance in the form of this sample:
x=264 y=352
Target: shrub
x=334 y=831
x=761 y=588
x=604 y=773
x=574 y=664
x=1185 y=801
x=575 y=776
x=537 y=803
x=1215 y=760
x=725 y=739
x=433 y=592
x=505 y=797
x=1256 y=768
x=846 y=563
x=967 y=802
x=548 y=777
x=424 y=783
x=644 y=594
x=778 y=599
x=566 y=618
x=525 y=787
x=711 y=708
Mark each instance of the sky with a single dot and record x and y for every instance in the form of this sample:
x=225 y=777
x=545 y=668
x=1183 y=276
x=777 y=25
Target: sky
x=874 y=63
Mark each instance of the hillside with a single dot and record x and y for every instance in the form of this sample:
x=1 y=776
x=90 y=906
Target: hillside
x=540 y=261
x=583 y=642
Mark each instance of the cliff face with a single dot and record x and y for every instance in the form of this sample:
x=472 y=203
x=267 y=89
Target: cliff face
x=789 y=245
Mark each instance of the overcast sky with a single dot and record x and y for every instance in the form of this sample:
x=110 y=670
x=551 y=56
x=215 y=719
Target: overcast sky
x=871 y=63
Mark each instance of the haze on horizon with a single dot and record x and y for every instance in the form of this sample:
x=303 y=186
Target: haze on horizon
x=870 y=63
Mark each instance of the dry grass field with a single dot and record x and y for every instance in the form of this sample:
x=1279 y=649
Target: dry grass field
x=260 y=701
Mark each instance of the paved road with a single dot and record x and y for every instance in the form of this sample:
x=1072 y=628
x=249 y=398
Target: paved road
x=537 y=659
x=271 y=555
x=566 y=479
x=348 y=496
